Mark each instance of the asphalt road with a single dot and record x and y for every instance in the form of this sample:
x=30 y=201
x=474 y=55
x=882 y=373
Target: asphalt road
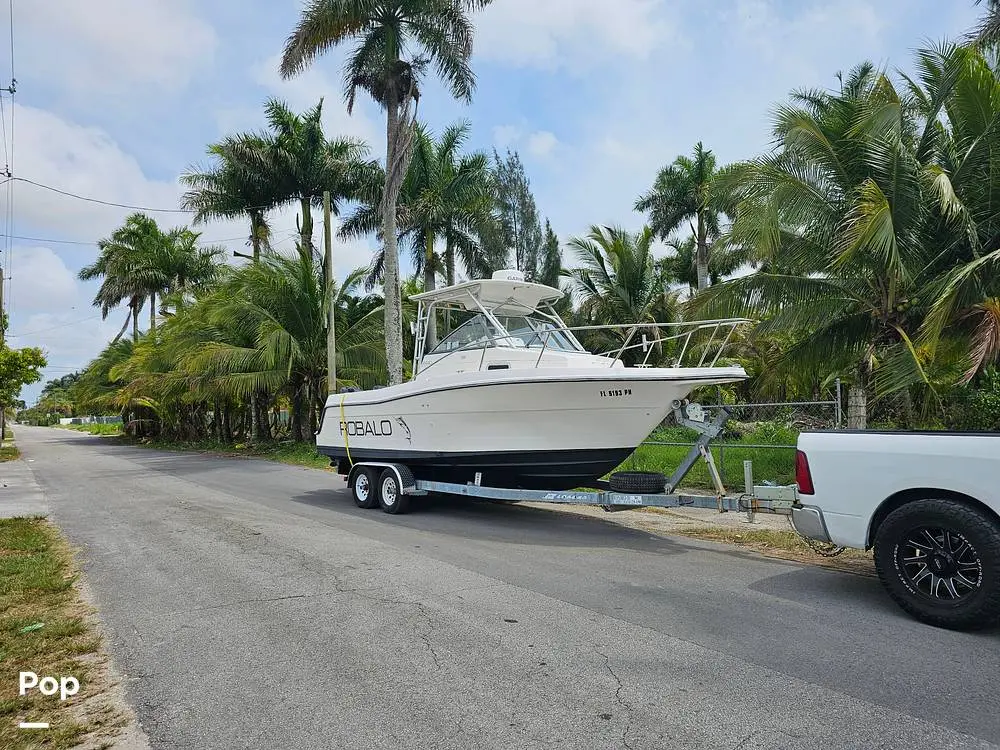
x=253 y=605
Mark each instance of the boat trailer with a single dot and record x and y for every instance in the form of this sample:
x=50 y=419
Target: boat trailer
x=391 y=485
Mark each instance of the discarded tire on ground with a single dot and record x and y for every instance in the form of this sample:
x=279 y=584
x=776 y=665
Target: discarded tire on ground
x=639 y=482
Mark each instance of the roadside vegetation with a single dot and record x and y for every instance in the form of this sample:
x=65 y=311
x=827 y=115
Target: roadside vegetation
x=865 y=246
x=94 y=429
x=786 y=545
x=45 y=628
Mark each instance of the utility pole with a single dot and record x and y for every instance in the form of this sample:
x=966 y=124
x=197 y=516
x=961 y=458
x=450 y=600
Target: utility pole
x=331 y=337
x=3 y=343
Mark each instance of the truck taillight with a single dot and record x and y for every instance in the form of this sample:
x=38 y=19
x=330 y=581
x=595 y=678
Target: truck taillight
x=803 y=477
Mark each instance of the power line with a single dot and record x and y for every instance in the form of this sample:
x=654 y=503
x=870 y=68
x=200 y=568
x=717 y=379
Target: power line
x=52 y=328
x=7 y=300
x=121 y=205
x=94 y=242
x=103 y=202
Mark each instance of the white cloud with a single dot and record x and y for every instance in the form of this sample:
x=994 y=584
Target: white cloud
x=541 y=143
x=112 y=46
x=538 y=143
x=505 y=136
x=85 y=161
x=557 y=33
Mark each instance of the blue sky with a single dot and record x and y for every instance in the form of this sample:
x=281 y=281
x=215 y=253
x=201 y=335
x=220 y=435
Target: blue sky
x=116 y=97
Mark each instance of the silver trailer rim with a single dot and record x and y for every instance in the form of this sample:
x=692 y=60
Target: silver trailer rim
x=362 y=486
x=389 y=490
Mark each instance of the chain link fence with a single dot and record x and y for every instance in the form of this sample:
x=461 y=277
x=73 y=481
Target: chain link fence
x=764 y=433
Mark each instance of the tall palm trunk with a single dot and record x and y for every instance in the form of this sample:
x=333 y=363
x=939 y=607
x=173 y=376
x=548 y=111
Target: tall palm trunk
x=449 y=259
x=393 y=303
x=429 y=284
x=701 y=254
x=256 y=234
x=152 y=312
x=306 y=228
x=135 y=320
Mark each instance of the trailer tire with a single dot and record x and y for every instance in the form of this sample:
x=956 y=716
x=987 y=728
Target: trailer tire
x=638 y=482
x=363 y=487
x=390 y=494
x=927 y=551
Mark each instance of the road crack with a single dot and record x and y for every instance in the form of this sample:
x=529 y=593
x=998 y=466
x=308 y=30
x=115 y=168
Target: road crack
x=620 y=700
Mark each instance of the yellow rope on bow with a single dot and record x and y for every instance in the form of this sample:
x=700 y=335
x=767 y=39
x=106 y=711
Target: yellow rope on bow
x=343 y=428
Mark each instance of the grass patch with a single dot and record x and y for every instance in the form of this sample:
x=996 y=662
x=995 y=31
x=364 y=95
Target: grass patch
x=778 y=543
x=770 y=445
x=36 y=588
x=94 y=429
x=286 y=452
x=9 y=453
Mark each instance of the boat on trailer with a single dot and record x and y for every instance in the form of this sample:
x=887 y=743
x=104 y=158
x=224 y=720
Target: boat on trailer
x=504 y=394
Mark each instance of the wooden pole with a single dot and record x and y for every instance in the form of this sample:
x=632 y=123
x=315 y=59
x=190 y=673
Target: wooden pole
x=331 y=337
x=3 y=343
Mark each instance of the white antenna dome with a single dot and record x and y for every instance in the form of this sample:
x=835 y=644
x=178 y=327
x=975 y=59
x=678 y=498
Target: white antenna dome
x=508 y=274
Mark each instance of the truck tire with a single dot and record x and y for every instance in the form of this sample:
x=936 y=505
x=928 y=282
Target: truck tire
x=363 y=487
x=638 y=482
x=940 y=561
x=390 y=495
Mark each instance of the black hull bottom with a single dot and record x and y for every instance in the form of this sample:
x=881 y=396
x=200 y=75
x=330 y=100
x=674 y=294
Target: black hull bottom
x=535 y=470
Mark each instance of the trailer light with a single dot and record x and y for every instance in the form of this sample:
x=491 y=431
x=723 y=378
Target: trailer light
x=803 y=477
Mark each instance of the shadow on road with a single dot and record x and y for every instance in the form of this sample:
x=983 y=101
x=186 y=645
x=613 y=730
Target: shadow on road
x=818 y=587
x=503 y=523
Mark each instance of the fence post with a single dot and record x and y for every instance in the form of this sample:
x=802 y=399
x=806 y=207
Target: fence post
x=838 y=408
x=748 y=488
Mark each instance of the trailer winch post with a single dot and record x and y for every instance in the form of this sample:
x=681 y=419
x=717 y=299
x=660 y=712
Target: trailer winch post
x=707 y=432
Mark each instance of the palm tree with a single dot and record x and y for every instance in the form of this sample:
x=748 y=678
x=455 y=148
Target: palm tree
x=618 y=282
x=303 y=164
x=839 y=217
x=685 y=191
x=436 y=32
x=232 y=188
x=272 y=314
x=964 y=166
x=187 y=267
x=445 y=196
x=139 y=261
x=987 y=34
x=681 y=265
x=128 y=269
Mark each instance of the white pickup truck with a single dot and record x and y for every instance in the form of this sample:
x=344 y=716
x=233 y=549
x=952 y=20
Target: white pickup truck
x=927 y=502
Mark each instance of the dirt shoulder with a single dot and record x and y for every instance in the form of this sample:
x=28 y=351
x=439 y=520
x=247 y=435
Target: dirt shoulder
x=49 y=628
x=769 y=535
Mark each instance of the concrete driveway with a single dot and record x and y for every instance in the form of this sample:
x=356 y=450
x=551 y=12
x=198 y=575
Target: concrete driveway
x=252 y=605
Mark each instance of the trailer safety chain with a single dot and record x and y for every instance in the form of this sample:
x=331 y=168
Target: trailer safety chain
x=823 y=549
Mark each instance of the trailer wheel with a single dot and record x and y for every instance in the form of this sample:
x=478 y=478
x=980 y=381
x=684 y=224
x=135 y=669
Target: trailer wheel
x=639 y=482
x=940 y=561
x=390 y=494
x=363 y=488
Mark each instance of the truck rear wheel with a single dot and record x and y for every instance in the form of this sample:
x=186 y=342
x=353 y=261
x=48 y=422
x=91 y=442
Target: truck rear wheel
x=940 y=561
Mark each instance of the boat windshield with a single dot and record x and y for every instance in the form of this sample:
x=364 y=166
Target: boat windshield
x=533 y=332
x=536 y=333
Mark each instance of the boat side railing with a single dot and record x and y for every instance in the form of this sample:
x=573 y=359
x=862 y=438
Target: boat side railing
x=682 y=332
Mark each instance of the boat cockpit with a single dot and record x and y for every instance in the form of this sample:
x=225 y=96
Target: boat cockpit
x=499 y=323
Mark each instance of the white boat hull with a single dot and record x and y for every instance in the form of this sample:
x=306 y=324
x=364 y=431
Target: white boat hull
x=547 y=429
